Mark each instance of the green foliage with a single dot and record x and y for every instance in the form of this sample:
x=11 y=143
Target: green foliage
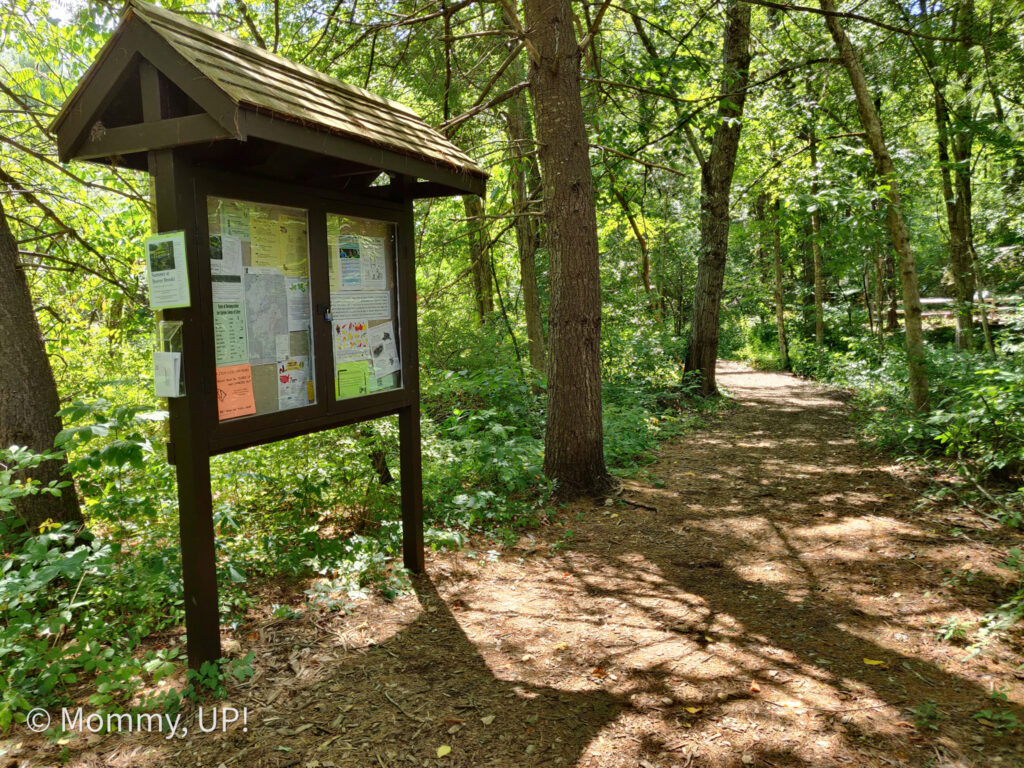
x=927 y=715
x=1003 y=720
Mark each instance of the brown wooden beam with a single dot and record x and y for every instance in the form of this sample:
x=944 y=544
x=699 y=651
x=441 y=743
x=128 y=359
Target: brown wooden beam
x=295 y=135
x=164 y=134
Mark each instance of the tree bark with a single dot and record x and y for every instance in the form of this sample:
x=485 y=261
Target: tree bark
x=780 y=307
x=28 y=392
x=716 y=183
x=479 y=257
x=916 y=368
x=574 y=439
x=525 y=185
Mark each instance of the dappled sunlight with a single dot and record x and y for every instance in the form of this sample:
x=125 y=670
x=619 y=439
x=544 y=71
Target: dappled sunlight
x=756 y=610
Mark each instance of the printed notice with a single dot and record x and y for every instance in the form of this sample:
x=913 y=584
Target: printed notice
x=295 y=248
x=383 y=349
x=350 y=341
x=234 y=392
x=292 y=376
x=378 y=383
x=351 y=379
x=167 y=374
x=268 y=238
x=266 y=313
x=234 y=221
x=297 y=291
x=229 y=333
x=225 y=255
x=167 y=271
x=350 y=272
x=373 y=305
x=374 y=266
x=226 y=287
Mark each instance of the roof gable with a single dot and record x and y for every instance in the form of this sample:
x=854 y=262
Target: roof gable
x=223 y=75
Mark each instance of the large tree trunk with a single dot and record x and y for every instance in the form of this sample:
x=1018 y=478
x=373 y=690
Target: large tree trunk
x=780 y=306
x=819 y=275
x=917 y=371
x=28 y=392
x=525 y=183
x=716 y=183
x=479 y=256
x=574 y=440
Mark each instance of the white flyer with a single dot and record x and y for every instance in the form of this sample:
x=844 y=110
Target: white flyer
x=167 y=374
x=371 y=305
x=383 y=350
x=167 y=270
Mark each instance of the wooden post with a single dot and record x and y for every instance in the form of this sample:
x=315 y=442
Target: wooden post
x=175 y=204
x=409 y=417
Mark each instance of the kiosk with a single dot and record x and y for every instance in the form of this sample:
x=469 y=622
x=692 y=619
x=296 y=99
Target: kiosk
x=282 y=263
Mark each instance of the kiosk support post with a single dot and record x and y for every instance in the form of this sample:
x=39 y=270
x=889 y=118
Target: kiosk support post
x=173 y=194
x=411 y=459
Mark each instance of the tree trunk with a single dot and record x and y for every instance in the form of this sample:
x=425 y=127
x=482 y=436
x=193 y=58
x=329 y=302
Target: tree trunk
x=956 y=196
x=479 y=256
x=879 y=292
x=819 y=277
x=574 y=439
x=641 y=239
x=28 y=392
x=780 y=307
x=916 y=368
x=716 y=182
x=525 y=187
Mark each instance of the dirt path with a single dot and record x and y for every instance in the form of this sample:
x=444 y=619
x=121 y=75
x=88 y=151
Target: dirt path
x=773 y=599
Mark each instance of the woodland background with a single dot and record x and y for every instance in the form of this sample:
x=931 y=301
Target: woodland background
x=732 y=168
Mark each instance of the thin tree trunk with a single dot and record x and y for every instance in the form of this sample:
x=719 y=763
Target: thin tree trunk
x=819 y=277
x=780 y=307
x=574 y=440
x=641 y=239
x=957 y=216
x=525 y=184
x=867 y=297
x=716 y=183
x=28 y=392
x=879 y=293
x=483 y=285
x=916 y=367
x=986 y=328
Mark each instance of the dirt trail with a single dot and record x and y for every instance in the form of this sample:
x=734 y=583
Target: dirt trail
x=771 y=599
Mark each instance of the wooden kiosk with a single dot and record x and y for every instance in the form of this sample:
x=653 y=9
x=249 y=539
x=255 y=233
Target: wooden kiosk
x=289 y=195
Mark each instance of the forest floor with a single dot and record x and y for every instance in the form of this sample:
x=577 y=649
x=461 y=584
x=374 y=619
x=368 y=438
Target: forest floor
x=772 y=595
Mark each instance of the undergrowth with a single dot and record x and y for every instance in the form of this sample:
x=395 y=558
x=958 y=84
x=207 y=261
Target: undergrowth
x=973 y=431
x=94 y=613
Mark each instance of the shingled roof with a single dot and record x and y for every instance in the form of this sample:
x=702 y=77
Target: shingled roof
x=259 y=83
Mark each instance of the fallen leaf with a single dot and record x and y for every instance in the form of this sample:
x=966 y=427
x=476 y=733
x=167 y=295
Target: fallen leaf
x=693 y=710
x=487 y=720
x=443 y=750
x=874 y=663
x=598 y=672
